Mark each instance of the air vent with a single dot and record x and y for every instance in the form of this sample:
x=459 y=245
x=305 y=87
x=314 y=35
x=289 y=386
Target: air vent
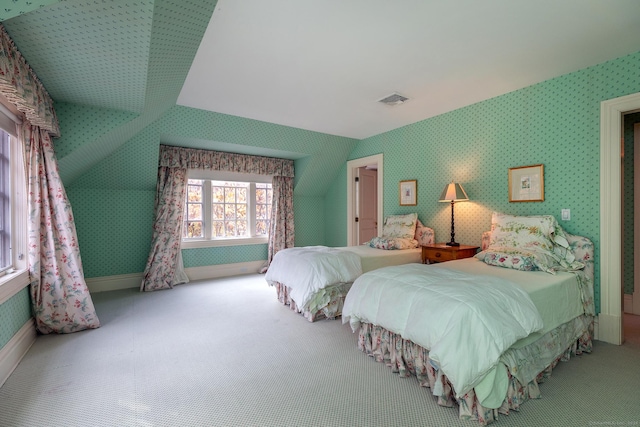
x=394 y=99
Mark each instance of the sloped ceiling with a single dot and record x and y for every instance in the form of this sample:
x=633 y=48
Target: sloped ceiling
x=316 y=66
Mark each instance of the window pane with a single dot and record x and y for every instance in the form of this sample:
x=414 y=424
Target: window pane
x=242 y=228
x=229 y=211
x=229 y=195
x=218 y=229
x=230 y=228
x=218 y=211
x=261 y=195
x=261 y=228
x=195 y=211
x=193 y=230
x=241 y=195
x=241 y=211
x=194 y=193
x=218 y=194
x=261 y=212
x=5 y=202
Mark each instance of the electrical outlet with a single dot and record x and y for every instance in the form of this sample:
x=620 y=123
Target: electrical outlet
x=566 y=214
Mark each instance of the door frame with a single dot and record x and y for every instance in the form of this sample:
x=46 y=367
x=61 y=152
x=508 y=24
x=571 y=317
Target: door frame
x=609 y=325
x=352 y=166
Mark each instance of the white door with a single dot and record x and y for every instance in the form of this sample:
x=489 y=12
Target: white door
x=367 y=204
x=632 y=302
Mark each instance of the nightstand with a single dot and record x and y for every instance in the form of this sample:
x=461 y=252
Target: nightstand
x=440 y=252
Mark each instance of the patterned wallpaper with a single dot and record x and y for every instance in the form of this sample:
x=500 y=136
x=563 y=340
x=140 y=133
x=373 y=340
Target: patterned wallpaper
x=113 y=202
x=14 y=8
x=14 y=313
x=556 y=123
x=628 y=199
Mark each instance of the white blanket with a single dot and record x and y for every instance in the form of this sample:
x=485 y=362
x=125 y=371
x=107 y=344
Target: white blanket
x=308 y=269
x=465 y=321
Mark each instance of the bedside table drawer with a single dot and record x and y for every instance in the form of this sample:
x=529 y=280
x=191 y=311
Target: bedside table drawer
x=437 y=255
x=440 y=252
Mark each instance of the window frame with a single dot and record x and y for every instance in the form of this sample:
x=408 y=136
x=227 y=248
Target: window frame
x=16 y=277
x=251 y=179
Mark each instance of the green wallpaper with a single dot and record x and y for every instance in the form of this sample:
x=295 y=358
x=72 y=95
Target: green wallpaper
x=555 y=123
x=628 y=200
x=18 y=7
x=14 y=313
x=113 y=202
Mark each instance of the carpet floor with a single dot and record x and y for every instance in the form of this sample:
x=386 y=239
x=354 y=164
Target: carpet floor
x=225 y=353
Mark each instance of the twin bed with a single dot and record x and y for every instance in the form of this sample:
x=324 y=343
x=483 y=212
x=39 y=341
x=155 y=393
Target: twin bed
x=482 y=332
x=314 y=280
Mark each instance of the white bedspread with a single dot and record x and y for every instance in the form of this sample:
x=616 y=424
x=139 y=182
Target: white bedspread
x=465 y=321
x=308 y=269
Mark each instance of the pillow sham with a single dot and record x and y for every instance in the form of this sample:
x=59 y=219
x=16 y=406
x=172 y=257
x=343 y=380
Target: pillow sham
x=424 y=235
x=393 y=243
x=518 y=259
x=402 y=226
x=536 y=240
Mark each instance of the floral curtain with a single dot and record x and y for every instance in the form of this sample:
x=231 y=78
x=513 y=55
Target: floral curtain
x=281 y=230
x=59 y=295
x=165 y=259
x=20 y=85
x=164 y=266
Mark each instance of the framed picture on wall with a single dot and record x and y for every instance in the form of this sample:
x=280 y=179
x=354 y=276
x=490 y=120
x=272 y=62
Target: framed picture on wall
x=526 y=184
x=409 y=193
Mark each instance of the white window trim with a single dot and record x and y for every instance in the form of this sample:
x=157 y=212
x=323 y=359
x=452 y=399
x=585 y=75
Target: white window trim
x=17 y=277
x=231 y=241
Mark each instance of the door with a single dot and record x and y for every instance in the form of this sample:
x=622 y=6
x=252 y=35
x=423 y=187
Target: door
x=367 y=211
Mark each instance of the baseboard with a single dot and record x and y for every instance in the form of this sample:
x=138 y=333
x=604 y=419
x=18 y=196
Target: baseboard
x=13 y=352
x=609 y=329
x=113 y=283
x=128 y=281
x=223 y=270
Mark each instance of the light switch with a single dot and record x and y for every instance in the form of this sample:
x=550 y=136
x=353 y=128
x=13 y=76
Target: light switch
x=566 y=214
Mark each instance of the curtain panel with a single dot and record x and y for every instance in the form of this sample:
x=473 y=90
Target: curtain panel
x=20 y=85
x=164 y=267
x=59 y=295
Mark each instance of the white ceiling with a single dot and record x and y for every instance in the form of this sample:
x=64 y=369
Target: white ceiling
x=323 y=66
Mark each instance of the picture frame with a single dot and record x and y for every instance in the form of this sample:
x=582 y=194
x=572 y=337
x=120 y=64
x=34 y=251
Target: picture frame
x=526 y=183
x=408 y=192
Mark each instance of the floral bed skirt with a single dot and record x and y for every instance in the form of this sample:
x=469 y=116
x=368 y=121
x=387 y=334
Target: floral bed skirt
x=326 y=304
x=407 y=358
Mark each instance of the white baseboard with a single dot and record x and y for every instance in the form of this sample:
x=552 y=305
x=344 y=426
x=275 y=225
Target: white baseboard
x=223 y=270
x=113 y=283
x=128 y=281
x=13 y=352
x=609 y=328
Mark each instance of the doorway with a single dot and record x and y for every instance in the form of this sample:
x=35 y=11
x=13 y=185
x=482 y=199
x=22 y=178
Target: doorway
x=610 y=318
x=353 y=166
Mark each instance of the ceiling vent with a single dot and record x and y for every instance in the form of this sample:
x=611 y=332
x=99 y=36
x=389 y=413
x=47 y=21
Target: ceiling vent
x=394 y=99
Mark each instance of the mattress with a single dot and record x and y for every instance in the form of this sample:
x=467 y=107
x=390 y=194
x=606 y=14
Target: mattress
x=557 y=297
x=372 y=258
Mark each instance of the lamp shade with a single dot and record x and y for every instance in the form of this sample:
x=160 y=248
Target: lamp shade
x=453 y=192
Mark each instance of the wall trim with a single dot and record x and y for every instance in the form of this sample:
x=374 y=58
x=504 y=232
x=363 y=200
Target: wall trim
x=114 y=283
x=611 y=112
x=13 y=352
x=223 y=270
x=129 y=281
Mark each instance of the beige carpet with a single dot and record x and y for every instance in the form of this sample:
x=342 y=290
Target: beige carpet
x=226 y=353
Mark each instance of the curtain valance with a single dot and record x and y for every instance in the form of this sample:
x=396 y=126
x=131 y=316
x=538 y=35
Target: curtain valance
x=191 y=158
x=20 y=85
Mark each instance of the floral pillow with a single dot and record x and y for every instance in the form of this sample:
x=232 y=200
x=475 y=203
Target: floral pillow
x=424 y=235
x=535 y=240
x=402 y=226
x=518 y=259
x=391 y=243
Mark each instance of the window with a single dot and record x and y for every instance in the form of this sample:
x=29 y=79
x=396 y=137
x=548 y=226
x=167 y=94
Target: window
x=5 y=203
x=226 y=212
x=13 y=209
